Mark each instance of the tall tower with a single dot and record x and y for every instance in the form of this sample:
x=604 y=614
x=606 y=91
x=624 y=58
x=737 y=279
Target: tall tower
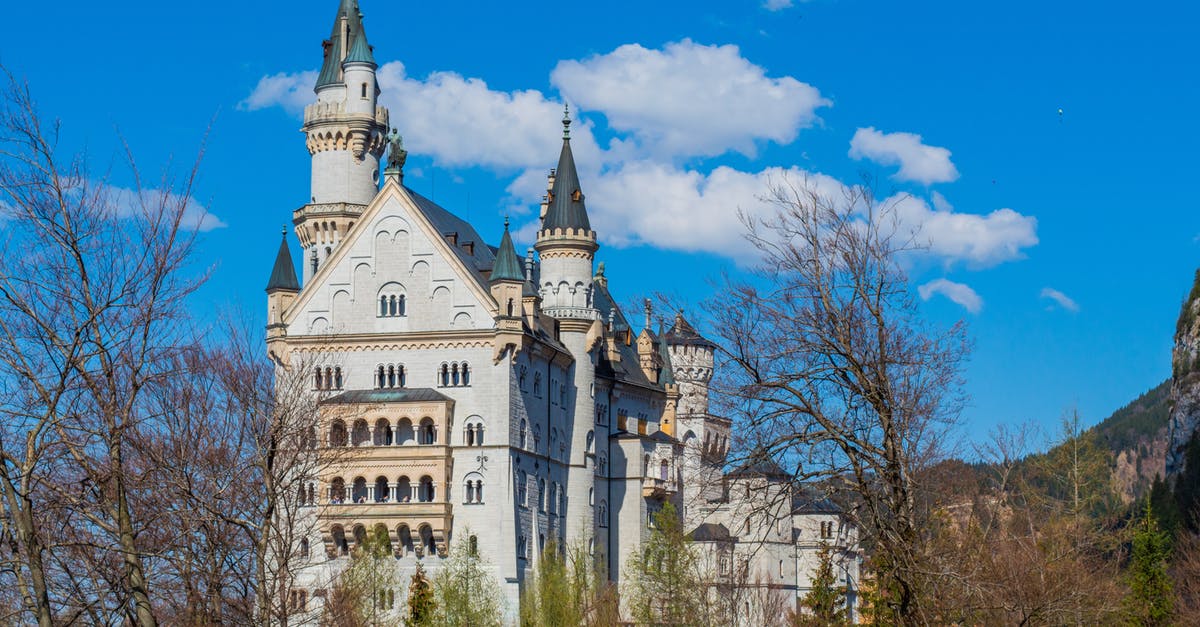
x=567 y=246
x=345 y=131
x=705 y=437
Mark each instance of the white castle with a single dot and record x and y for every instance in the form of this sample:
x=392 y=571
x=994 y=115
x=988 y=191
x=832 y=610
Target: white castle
x=495 y=400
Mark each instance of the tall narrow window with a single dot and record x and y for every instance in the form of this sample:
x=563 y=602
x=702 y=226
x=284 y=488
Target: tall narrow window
x=391 y=378
x=383 y=305
x=364 y=90
x=454 y=374
x=379 y=379
x=466 y=374
x=392 y=305
x=400 y=373
x=337 y=378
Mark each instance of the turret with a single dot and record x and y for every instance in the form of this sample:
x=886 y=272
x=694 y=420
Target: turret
x=282 y=289
x=566 y=242
x=507 y=284
x=346 y=132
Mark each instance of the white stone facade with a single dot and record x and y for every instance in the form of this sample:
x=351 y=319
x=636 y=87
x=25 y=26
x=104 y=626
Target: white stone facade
x=478 y=417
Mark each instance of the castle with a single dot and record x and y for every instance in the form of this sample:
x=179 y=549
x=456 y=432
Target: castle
x=498 y=399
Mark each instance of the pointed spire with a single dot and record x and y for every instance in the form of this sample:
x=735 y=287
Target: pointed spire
x=507 y=266
x=566 y=210
x=666 y=375
x=342 y=36
x=360 y=52
x=283 y=275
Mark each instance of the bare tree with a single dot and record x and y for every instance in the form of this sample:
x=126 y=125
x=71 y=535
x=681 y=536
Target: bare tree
x=831 y=371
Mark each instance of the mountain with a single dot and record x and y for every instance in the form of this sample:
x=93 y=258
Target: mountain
x=1136 y=434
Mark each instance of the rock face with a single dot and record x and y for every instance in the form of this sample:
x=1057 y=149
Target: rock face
x=1185 y=380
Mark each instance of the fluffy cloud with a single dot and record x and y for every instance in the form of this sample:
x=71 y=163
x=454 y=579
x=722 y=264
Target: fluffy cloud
x=978 y=240
x=918 y=162
x=777 y=5
x=689 y=99
x=128 y=202
x=1064 y=301
x=957 y=292
x=289 y=91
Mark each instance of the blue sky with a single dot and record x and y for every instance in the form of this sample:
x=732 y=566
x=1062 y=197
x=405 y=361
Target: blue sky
x=1065 y=241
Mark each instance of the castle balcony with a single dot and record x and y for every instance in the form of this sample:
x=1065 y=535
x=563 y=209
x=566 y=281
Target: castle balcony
x=390 y=512
x=655 y=488
x=576 y=313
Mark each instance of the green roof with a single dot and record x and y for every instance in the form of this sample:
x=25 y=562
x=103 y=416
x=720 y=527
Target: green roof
x=507 y=266
x=400 y=395
x=331 y=68
x=283 y=275
x=360 y=52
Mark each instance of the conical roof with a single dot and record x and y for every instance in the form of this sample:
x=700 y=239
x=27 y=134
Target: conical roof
x=360 y=52
x=331 y=68
x=507 y=266
x=566 y=210
x=283 y=275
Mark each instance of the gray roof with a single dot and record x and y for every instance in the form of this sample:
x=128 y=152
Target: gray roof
x=683 y=334
x=666 y=376
x=628 y=369
x=760 y=464
x=507 y=266
x=810 y=501
x=331 y=68
x=711 y=532
x=283 y=275
x=566 y=208
x=402 y=395
x=478 y=261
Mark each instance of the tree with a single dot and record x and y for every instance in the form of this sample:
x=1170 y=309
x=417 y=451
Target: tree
x=421 y=605
x=828 y=366
x=365 y=592
x=465 y=592
x=92 y=320
x=826 y=600
x=569 y=587
x=1150 y=599
x=663 y=581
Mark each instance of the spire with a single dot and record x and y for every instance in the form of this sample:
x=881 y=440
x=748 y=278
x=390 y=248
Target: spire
x=666 y=376
x=360 y=52
x=507 y=266
x=336 y=47
x=283 y=275
x=566 y=210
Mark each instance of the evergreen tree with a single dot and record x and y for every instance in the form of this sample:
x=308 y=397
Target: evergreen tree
x=826 y=600
x=465 y=592
x=420 y=600
x=1187 y=486
x=663 y=579
x=1164 y=506
x=1150 y=600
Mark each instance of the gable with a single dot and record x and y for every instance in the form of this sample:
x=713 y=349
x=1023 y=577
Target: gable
x=395 y=273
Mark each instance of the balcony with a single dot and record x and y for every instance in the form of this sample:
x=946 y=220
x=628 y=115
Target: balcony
x=384 y=511
x=655 y=488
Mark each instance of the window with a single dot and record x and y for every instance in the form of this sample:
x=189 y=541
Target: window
x=473 y=435
x=826 y=530
x=426 y=490
x=602 y=465
x=537 y=384
x=541 y=495
x=602 y=514
x=521 y=547
x=389 y=376
x=591 y=440
x=473 y=488
x=553 y=497
x=337 y=433
x=298 y=600
x=521 y=378
x=454 y=374
x=664 y=470
x=523 y=433
x=591 y=496
x=327 y=378
x=522 y=490
x=391 y=302
x=427 y=433
x=364 y=90
x=304 y=550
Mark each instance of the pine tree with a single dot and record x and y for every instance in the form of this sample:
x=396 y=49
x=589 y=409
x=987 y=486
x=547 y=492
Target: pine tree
x=826 y=600
x=663 y=580
x=1150 y=600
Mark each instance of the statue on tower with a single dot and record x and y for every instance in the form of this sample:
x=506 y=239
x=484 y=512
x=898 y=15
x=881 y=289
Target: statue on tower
x=397 y=155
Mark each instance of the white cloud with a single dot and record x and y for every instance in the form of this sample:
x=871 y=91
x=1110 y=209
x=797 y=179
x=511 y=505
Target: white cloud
x=689 y=99
x=977 y=240
x=777 y=5
x=918 y=162
x=289 y=91
x=1064 y=301
x=128 y=202
x=940 y=203
x=959 y=293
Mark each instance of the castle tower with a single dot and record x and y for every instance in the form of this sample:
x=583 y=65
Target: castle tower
x=282 y=289
x=345 y=131
x=567 y=246
x=705 y=437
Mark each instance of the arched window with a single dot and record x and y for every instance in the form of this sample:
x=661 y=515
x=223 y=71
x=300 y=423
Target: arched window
x=523 y=433
x=521 y=547
x=337 y=433
x=340 y=545
x=359 y=493
x=382 y=490
x=553 y=497
x=602 y=514
x=406 y=540
x=318 y=380
x=391 y=378
x=337 y=491
x=541 y=495
x=403 y=490
x=444 y=375
x=312 y=495
x=473 y=433
x=537 y=384
x=391 y=300
x=428 y=432
x=522 y=490
x=383 y=433
x=664 y=470
x=473 y=488
x=454 y=380
x=304 y=550
x=361 y=434
x=591 y=496
x=602 y=465
x=521 y=378
x=364 y=90
x=404 y=432
x=400 y=376
x=466 y=374
x=591 y=441
x=337 y=378
x=427 y=541
x=426 y=490
x=383 y=305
